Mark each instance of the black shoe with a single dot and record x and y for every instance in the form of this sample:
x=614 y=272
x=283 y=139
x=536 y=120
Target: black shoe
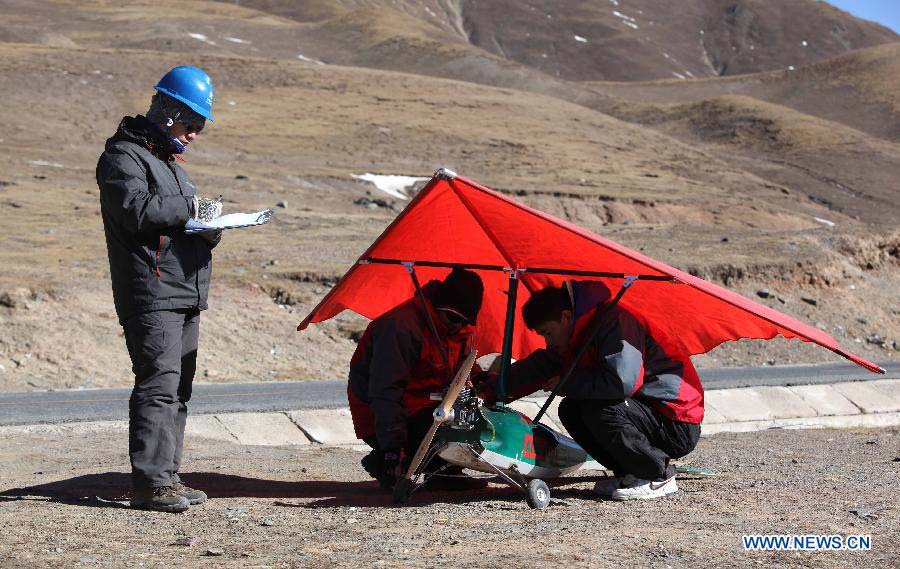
x=193 y=496
x=372 y=464
x=161 y=499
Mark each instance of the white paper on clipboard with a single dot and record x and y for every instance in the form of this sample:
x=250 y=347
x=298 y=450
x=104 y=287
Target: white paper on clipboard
x=229 y=221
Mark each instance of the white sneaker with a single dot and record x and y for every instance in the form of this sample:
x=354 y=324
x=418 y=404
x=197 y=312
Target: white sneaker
x=605 y=488
x=640 y=489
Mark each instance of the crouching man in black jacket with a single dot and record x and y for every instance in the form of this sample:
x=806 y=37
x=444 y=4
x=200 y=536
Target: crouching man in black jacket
x=160 y=275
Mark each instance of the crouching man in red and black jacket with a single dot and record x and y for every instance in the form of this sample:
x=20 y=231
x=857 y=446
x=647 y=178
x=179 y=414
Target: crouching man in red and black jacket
x=634 y=400
x=398 y=366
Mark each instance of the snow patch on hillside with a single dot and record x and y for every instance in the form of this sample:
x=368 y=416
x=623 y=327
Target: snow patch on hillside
x=302 y=57
x=45 y=163
x=627 y=20
x=203 y=38
x=391 y=184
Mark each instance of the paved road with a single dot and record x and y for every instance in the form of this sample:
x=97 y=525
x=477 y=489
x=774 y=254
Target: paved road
x=112 y=404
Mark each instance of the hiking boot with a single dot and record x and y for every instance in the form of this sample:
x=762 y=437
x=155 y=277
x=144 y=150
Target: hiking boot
x=193 y=496
x=372 y=463
x=639 y=489
x=161 y=499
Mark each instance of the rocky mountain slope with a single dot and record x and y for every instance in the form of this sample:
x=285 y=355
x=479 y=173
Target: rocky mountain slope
x=779 y=183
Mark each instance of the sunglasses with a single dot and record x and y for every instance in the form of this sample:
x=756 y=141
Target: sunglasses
x=454 y=318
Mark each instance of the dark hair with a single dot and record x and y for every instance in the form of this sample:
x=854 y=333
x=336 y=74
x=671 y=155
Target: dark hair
x=164 y=107
x=546 y=305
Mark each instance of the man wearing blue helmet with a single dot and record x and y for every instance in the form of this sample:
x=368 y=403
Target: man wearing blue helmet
x=160 y=276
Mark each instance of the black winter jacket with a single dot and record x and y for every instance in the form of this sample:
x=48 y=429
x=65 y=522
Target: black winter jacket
x=145 y=200
x=628 y=359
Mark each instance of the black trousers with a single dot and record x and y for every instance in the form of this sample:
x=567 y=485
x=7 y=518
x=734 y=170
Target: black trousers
x=417 y=426
x=628 y=436
x=163 y=350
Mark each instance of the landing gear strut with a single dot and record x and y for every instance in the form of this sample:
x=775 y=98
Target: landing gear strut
x=537 y=493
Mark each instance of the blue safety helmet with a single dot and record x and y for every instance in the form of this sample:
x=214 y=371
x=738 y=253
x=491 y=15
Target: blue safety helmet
x=190 y=85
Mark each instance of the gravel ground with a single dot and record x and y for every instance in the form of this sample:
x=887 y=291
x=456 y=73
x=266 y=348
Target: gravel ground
x=62 y=504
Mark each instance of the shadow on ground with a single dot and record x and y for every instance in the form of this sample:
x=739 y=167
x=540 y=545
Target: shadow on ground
x=111 y=490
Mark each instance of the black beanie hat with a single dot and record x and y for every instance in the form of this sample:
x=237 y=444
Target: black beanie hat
x=461 y=292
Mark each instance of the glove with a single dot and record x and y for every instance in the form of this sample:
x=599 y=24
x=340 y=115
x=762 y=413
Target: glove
x=205 y=209
x=212 y=237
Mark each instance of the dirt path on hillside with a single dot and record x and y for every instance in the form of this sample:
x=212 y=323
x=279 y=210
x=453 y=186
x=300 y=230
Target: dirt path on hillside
x=302 y=507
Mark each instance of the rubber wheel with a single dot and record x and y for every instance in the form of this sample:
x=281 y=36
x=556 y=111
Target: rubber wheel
x=537 y=494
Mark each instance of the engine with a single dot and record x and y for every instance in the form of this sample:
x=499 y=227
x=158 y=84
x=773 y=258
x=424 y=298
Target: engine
x=465 y=410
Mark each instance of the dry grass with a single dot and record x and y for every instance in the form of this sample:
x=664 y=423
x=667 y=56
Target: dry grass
x=874 y=73
x=859 y=89
x=746 y=121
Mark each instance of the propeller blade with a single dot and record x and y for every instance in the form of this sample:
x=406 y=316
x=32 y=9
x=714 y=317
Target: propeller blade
x=441 y=415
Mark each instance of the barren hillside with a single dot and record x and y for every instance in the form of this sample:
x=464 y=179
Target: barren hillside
x=581 y=40
x=739 y=179
x=860 y=89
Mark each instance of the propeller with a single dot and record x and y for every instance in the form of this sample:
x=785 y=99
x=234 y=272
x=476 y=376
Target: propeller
x=442 y=414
